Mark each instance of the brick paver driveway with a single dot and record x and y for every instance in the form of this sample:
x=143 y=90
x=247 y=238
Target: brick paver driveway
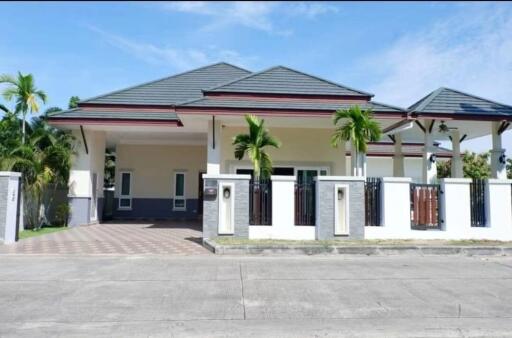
x=173 y=238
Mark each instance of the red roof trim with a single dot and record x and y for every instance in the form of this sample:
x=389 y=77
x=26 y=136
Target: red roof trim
x=287 y=96
x=271 y=112
x=90 y=121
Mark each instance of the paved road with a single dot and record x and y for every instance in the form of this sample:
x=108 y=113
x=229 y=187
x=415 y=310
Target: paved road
x=210 y=296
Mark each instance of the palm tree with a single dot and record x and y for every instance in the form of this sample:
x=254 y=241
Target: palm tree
x=44 y=161
x=25 y=93
x=253 y=144
x=360 y=128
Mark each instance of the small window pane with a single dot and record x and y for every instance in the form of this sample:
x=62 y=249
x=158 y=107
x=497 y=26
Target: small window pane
x=179 y=203
x=125 y=184
x=323 y=172
x=125 y=202
x=180 y=185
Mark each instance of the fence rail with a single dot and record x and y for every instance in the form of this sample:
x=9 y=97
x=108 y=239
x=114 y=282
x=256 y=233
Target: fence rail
x=372 y=198
x=477 y=194
x=425 y=206
x=260 y=202
x=305 y=204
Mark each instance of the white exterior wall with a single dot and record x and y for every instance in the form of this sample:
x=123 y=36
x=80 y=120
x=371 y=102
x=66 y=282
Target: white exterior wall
x=383 y=167
x=153 y=167
x=455 y=212
x=300 y=147
x=283 y=220
x=85 y=164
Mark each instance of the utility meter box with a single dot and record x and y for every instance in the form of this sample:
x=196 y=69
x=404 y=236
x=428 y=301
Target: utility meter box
x=210 y=190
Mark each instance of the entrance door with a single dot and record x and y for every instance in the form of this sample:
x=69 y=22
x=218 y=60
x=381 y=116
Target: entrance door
x=306 y=176
x=200 y=195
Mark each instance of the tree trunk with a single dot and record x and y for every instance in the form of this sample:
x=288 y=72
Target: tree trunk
x=23 y=130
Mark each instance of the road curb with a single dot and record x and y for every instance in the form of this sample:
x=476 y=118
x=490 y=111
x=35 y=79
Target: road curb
x=362 y=250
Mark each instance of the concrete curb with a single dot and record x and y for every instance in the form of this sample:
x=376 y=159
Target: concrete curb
x=367 y=250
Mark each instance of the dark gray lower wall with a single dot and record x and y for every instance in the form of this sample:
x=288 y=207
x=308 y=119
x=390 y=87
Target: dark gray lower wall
x=155 y=208
x=80 y=211
x=211 y=211
x=100 y=203
x=325 y=210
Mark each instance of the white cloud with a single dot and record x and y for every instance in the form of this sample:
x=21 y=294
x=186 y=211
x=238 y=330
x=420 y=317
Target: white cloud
x=177 y=58
x=257 y=15
x=470 y=51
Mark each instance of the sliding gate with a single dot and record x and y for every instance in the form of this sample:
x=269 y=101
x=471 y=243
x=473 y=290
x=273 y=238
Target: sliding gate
x=477 y=198
x=372 y=199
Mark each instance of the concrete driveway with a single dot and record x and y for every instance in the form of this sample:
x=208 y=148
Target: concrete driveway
x=210 y=296
x=117 y=238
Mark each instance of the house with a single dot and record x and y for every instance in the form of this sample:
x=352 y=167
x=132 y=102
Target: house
x=173 y=135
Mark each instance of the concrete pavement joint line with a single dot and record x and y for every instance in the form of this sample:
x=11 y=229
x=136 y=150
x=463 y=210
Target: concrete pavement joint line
x=254 y=279
x=254 y=319
x=242 y=284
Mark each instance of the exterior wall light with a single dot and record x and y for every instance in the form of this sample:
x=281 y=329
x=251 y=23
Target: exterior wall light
x=502 y=159
x=432 y=158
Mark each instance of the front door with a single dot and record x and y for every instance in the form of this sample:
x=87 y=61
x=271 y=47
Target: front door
x=306 y=176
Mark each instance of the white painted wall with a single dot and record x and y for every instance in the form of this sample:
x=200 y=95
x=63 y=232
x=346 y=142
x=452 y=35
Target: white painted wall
x=300 y=147
x=455 y=211
x=153 y=168
x=84 y=164
x=283 y=220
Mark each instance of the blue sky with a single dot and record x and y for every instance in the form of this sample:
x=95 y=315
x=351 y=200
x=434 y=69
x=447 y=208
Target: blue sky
x=398 y=51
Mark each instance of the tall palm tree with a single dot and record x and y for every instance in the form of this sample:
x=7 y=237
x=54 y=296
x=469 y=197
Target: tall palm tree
x=359 y=127
x=23 y=90
x=253 y=144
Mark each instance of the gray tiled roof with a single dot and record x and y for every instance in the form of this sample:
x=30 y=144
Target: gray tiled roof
x=78 y=113
x=408 y=149
x=282 y=80
x=290 y=104
x=450 y=101
x=173 y=89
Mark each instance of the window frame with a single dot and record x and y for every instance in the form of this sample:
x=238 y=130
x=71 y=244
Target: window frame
x=181 y=197
x=125 y=197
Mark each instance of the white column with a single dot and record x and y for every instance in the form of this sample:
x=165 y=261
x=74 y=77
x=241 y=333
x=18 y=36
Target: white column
x=429 y=167
x=457 y=171
x=353 y=161
x=89 y=159
x=214 y=147
x=498 y=168
x=398 y=159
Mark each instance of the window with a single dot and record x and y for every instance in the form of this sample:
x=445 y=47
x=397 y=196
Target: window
x=179 y=191
x=125 y=196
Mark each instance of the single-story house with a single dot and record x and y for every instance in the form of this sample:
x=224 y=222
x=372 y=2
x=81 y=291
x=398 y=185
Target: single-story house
x=172 y=134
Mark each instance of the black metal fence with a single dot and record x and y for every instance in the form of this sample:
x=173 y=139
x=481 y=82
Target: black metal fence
x=260 y=202
x=477 y=194
x=425 y=206
x=305 y=203
x=372 y=199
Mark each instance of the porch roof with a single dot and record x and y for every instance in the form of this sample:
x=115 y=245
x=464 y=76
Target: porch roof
x=79 y=114
x=283 y=80
x=446 y=101
x=287 y=104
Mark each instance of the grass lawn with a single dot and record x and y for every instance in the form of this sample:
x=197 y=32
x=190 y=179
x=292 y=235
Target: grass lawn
x=43 y=231
x=404 y=242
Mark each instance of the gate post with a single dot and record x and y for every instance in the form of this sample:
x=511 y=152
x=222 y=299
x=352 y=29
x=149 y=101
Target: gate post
x=9 y=190
x=328 y=212
x=455 y=206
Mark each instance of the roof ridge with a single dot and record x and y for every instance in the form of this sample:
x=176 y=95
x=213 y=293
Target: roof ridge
x=427 y=99
x=328 y=81
x=475 y=96
x=292 y=70
x=162 y=79
x=239 y=79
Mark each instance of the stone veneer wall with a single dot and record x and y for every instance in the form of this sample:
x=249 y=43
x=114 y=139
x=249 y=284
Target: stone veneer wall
x=325 y=208
x=211 y=207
